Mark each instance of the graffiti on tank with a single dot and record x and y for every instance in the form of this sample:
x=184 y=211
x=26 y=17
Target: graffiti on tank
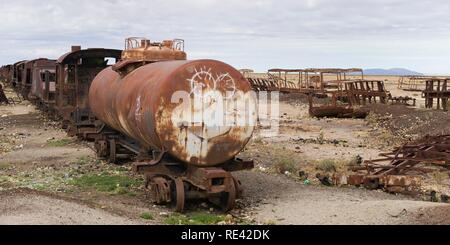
x=212 y=107
x=204 y=80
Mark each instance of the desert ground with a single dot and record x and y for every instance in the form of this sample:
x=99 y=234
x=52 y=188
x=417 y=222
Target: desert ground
x=48 y=178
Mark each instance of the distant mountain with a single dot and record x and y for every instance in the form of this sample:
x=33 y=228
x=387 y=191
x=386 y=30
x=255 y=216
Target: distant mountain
x=392 y=72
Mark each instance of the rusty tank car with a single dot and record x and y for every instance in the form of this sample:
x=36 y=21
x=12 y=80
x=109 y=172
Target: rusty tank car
x=151 y=97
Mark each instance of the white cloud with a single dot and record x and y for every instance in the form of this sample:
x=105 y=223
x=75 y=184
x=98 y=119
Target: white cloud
x=256 y=34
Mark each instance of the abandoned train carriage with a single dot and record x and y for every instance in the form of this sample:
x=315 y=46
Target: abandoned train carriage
x=42 y=76
x=74 y=73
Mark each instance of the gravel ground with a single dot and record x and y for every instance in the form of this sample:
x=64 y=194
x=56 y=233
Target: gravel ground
x=31 y=208
x=276 y=199
x=272 y=199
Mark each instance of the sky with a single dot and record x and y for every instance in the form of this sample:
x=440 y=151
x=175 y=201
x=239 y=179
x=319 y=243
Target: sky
x=259 y=34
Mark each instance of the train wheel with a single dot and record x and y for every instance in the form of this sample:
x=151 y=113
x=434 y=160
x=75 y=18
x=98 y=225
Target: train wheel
x=178 y=195
x=160 y=189
x=228 y=199
x=112 y=151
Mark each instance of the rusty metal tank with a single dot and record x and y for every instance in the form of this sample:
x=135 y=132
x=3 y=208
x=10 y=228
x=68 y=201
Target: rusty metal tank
x=158 y=105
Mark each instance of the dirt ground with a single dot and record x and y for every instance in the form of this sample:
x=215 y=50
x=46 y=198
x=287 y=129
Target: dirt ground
x=279 y=200
x=25 y=207
x=47 y=178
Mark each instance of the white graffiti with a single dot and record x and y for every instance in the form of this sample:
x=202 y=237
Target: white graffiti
x=204 y=80
x=212 y=109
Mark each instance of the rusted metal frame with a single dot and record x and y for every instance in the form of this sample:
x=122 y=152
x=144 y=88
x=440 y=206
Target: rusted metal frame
x=372 y=167
x=436 y=89
x=394 y=162
x=202 y=178
x=438 y=148
x=399 y=167
x=362 y=90
x=398 y=162
x=234 y=165
x=435 y=161
x=429 y=154
x=128 y=146
x=433 y=153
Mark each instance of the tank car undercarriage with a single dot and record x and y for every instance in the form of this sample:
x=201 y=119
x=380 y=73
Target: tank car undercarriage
x=168 y=180
x=172 y=182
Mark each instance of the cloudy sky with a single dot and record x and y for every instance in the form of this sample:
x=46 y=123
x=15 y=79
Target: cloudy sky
x=259 y=34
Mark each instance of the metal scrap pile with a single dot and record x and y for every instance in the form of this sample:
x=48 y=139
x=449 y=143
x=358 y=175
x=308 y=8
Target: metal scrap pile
x=400 y=170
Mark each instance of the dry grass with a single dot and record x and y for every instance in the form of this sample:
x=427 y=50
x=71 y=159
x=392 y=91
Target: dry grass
x=440 y=177
x=327 y=165
x=288 y=164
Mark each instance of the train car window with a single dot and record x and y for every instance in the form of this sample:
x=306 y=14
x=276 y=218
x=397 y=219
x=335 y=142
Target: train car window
x=70 y=74
x=52 y=76
x=94 y=62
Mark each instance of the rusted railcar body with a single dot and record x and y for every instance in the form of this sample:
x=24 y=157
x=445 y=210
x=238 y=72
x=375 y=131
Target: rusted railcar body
x=149 y=96
x=74 y=74
x=141 y=106
x=43 y=77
